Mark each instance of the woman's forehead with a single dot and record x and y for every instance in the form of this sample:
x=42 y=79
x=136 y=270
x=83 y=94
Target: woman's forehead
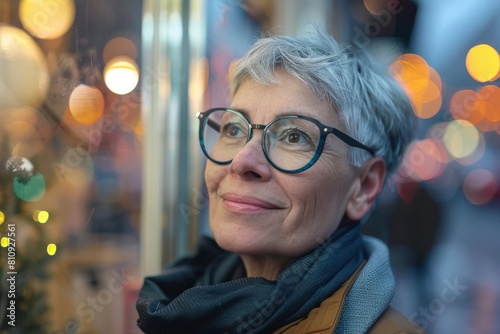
x=289 y=96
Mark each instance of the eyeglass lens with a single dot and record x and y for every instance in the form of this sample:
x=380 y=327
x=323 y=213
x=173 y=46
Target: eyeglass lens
x=290 y=142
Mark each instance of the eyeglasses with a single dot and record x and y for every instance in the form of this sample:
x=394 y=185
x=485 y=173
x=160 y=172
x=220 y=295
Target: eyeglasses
x=291 y=143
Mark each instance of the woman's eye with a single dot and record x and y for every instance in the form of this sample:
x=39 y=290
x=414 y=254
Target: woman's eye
x=231 y=130
x=296 y=136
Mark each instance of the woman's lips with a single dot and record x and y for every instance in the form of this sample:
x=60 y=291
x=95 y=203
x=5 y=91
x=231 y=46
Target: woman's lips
x=243 y=203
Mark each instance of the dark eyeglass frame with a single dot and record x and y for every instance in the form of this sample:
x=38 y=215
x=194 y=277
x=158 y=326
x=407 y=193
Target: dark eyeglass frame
x=324 y=132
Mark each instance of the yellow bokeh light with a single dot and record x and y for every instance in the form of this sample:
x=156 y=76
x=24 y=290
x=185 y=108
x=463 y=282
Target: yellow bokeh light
x=47 y=19
x=40 y=216
x=121 y=75
x=198 y=78
x=86 y=104
x=476 y=155
x=4 y=242
x=461 y=138
x=483 y=63
x=24 y=74
x=2 y=217
x=51 y=249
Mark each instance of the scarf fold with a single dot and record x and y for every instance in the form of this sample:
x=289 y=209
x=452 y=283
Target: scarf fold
x=374 y=283
x=199 y=295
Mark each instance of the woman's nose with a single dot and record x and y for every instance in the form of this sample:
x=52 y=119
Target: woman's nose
x=250 y=162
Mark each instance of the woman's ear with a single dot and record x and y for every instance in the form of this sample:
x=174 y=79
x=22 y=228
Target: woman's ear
x=368 y=185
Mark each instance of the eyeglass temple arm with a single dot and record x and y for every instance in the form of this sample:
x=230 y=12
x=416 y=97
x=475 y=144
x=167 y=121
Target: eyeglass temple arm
x=214 y=125
x=351 y=141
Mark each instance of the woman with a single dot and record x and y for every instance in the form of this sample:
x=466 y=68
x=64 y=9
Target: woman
x=295 y=163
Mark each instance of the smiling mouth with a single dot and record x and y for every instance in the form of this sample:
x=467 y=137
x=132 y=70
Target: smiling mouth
x=247 y=204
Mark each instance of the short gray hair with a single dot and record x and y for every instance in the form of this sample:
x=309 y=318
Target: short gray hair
x=371 y=105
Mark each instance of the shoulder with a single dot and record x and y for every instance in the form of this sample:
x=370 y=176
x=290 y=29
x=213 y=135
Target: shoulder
x=393 y=322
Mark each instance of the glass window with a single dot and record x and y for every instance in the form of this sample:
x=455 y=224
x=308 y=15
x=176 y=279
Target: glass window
x=70 y=164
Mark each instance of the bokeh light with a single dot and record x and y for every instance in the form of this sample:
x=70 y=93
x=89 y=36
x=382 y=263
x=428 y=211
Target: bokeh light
x=421 y=83
x=489 y=104
x=481 y=108
x=375 y=6
x=47 y=19
x=424 y=160
x=20 y=130
x=483 y=63
x=70 y=119
x=30 y=190
x=480 y=186
x=40 y=216
x=464 y=106
x=86 y=104
x=21 y=124
x=199 y=79
x=476 y=155
x=119 y=46
x=121 y=75
x=2 y=217
x=4 y=242
x=461 y=138
x=407 y=190
x=51 y=249
x=139 y=132
x=24 y=78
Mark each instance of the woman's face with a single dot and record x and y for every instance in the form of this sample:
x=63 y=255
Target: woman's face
x=258 y=210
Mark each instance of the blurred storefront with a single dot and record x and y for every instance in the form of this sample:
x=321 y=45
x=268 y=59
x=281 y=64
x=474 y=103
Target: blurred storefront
x=101 y=175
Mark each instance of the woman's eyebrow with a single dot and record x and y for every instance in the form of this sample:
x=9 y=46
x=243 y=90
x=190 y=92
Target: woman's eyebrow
x=281 y=113
x=241 y=111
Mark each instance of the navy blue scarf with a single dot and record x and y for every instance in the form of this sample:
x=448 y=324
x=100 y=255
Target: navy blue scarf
x=200 y=295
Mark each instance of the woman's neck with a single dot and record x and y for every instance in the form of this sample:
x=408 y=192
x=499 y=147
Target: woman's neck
x=264 y=266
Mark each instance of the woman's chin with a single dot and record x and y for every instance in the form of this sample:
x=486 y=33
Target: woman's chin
x=243 y=241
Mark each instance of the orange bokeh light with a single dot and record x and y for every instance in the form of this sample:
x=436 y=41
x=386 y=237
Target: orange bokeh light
x=86 y=104
x=481 y=108
x=375 y=6
x=421 y=83
x=490 y=94
x=464 y=105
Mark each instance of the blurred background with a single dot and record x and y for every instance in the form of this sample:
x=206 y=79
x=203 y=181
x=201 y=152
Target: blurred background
x=101 y=172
